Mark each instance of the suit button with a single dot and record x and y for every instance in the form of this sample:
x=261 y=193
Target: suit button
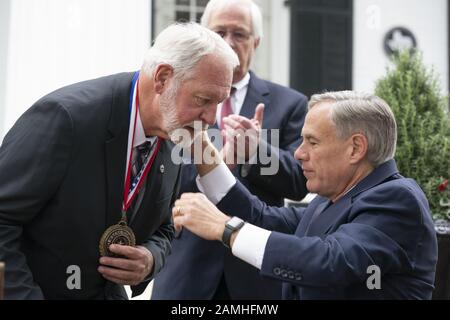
x=284 y=273
x=298 y=276
x=277 y=271
x=291 y=275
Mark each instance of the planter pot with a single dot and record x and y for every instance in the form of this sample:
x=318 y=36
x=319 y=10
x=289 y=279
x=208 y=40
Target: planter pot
x=442 y=282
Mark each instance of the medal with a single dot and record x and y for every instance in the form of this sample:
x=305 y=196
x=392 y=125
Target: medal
x=117 y=234
x=121 y=233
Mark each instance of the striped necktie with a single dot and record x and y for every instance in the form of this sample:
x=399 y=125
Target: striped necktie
x=227 y=108
x=140 y=155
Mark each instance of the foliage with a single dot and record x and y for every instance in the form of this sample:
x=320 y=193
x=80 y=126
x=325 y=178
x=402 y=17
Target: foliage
x=422 y=114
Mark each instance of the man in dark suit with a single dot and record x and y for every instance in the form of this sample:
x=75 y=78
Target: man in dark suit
x=198 y=269
x=369 y=233
x=96 y=155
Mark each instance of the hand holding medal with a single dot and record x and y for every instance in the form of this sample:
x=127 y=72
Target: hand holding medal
x=134 y=267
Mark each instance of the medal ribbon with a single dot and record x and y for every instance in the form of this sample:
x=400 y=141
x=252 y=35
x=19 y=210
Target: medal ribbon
x=129 y=194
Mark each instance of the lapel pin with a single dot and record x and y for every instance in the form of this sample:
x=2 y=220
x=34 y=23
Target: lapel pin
x=161 y=168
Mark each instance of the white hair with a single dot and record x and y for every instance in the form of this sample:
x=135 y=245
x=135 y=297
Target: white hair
x=357 y=112
x=255 y=13
x=182 y=45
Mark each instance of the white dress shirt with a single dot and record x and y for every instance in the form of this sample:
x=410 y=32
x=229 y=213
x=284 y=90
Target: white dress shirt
x=139 y=134
x=250 y=242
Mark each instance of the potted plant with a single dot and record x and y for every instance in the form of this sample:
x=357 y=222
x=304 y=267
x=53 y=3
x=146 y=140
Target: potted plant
x=423 y=146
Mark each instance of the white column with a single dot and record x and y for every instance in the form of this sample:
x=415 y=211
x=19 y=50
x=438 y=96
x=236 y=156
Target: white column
x=4 y=33
x=281 y=39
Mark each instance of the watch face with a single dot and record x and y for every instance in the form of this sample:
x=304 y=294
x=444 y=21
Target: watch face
x=234 y=222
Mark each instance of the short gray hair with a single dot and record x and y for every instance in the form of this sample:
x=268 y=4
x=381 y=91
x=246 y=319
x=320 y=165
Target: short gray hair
x=356 y=112
x=255 y=13
x=182 y=45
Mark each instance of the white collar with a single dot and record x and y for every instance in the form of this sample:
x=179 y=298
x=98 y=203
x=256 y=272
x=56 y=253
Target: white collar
x=139 y=134
x=243 y=83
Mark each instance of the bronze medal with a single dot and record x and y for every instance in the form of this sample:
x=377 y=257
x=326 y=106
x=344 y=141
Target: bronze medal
x=117 y=234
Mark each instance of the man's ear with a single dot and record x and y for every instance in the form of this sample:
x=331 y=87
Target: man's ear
x=257 y=42
x=161 y=76
x=359 y=148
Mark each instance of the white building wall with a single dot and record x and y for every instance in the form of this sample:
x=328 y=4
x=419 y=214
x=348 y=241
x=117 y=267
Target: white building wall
x=374 y=18
x=261 y=63
x=4 y=33
x=53 y=43
x=281 y=38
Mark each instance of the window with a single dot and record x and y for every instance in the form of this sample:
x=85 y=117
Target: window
x=166 y=12
x=189 y=10
x=321 y=45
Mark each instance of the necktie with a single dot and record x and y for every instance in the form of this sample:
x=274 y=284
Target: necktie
x=227 y=108
x=140 y=155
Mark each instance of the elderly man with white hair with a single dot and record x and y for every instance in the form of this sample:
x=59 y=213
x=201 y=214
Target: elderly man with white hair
x=369 y=233
x=86 y=176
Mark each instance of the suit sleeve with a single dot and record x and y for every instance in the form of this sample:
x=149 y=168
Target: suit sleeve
x=33 y=160
x=379 y=233
x=282 y=174
x=257 y=212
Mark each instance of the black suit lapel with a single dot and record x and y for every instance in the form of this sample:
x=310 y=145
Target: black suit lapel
x=116 y=150
x=257 y=93
x=328 y=218
x=160 y=175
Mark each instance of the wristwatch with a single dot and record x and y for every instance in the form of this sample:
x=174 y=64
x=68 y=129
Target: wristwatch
x=231 y=226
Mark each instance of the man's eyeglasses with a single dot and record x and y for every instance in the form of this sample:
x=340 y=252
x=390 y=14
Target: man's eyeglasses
x=237 y=35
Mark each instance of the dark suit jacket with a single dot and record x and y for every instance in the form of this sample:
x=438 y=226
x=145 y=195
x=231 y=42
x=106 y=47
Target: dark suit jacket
x=61 y=185
x=195 y=266
x=383 y=221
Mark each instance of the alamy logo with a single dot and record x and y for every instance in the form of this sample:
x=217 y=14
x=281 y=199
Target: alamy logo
x=374 y=280
x=74 y=280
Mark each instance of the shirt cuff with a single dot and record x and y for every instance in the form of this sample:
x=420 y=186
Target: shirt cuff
x=250 y=244
x=210 y=186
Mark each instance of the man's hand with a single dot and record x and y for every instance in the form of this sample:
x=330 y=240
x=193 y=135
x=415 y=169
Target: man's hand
x=195 y=212
x=241 y=137
x=132 y=269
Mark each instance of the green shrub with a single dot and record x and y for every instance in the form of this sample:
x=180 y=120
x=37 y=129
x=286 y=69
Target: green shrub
x=422 y=114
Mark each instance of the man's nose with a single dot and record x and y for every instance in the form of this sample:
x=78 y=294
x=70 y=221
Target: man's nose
x=228 y=37
x=300 y=154
x=209 y=115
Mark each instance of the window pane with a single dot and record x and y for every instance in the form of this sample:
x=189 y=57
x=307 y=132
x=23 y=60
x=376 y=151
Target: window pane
x=182 y=16
x=202 y=3
x=183 y=2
